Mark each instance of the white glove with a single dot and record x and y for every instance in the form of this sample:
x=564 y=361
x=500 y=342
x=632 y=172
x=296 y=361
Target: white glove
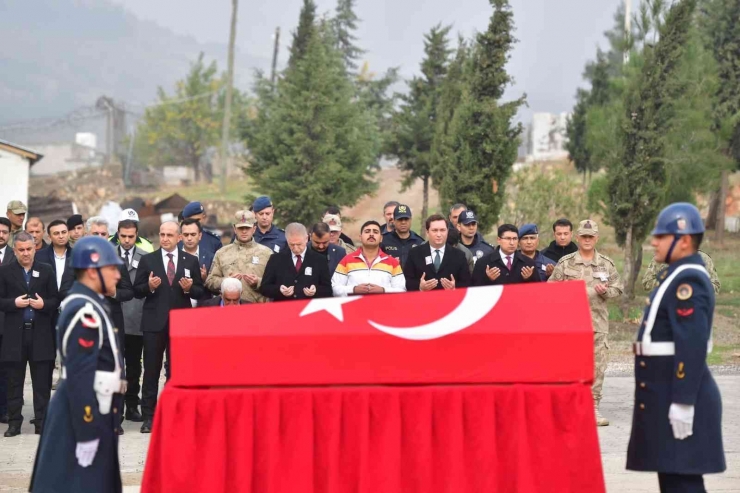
x=681 y=417
x=86 y=451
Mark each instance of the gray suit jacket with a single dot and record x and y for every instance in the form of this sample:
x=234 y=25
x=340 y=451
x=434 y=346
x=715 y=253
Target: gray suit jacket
x=132 y=309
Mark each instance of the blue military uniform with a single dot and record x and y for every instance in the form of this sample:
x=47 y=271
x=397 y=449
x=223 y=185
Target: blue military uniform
x=395 y=246
x=273 y=238
x=479 y=247
x=73 y=415
x=671 y=368
x=210 y=243
x=85 y=410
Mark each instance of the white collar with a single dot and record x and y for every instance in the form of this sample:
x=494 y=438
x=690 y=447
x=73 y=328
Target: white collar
x=173 y=252
x=303 y=254
x=503 y=256
x=441 y=249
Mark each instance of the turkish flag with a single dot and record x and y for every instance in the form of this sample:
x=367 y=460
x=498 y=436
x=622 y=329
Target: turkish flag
x=538 y=333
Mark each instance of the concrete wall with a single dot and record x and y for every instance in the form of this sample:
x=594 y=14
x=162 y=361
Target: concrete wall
x=14 y=182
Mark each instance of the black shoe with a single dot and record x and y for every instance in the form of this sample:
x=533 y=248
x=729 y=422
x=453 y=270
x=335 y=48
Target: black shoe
x=37 y=430
x=147 y=426
x=12 y=431
x=33 y=421
x=132 y=414
x=119 y=431
x=4 y=418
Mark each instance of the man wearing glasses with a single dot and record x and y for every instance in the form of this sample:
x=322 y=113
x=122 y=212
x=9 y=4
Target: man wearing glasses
x=505 y=265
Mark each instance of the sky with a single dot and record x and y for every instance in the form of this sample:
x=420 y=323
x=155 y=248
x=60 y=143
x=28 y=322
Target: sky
x=556 y=37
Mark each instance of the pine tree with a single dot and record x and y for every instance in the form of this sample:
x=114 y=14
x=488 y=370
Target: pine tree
x=316 y=144
x=414 y=123
x=636 y=181
x=304 y=33
x=484 y=139
x=345 y=24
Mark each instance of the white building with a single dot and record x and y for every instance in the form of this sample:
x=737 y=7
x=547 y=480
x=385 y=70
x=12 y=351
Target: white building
x=15 y=166
x=547 y=137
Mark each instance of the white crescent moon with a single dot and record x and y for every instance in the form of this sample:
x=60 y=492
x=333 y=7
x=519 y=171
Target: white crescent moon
x=475 y=305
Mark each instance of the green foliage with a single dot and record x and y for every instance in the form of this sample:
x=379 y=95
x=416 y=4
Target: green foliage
x=637 y=179
x=415 y=121
x=313 y=143
x=374 y=94
x=482 y=138
x=304 y=33
x=344 y=25
x=530 y=198
x=576 y=131
x=179 y=129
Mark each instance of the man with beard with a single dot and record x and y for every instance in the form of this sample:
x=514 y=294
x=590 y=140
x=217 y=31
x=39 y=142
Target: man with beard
x=368 y=270
x=321 y=243
x=562 y=245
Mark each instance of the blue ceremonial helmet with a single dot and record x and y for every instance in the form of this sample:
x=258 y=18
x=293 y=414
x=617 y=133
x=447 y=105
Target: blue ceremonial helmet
x=94 y=252
x=679 y=219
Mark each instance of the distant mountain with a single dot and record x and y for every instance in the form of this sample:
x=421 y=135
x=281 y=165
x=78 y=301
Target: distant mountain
x=58 y=55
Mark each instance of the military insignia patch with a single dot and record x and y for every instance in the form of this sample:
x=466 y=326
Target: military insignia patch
x=684 y=292
x=479 y=253
x=681 y=223
x=88 y=417
x=663 y=275
x=684 y=312
x=85 y=343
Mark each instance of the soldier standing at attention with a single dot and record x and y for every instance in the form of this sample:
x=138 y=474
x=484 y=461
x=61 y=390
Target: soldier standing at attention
x=78 y=450
x=245 y=259
x=655 y=269
x=602 y=283
x=677 y=418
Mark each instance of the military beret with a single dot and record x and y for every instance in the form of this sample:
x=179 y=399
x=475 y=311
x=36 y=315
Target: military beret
x=261 y=203
x=74 y=221
x=192 y=209
x=528 y=229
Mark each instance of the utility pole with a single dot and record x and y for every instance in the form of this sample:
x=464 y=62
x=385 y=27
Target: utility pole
x=719 y=227
x=627 y=28
x=275 y=57
x=229 y=94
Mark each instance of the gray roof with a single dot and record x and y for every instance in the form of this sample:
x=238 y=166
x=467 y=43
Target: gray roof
x=30 y=154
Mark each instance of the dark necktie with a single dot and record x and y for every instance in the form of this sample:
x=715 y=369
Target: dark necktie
x=508 y=262
x=298 y=263
x=170 y=269
x=437 y=261
x=128 y=259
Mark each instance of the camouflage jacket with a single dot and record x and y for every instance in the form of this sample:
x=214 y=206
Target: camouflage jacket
x=650 y=279
x=600 y=270
x=239 y=258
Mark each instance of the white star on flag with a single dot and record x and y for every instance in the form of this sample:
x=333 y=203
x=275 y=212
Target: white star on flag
x=331 y=305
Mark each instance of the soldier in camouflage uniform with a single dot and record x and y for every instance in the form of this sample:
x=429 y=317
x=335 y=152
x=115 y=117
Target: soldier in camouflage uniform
x=244 y=259
x=650 y=279
x=602 y=283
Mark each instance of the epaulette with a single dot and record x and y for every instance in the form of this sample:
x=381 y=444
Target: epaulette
x=486 y=243
x=606 y=258
x=217 y=236
x=566 y=257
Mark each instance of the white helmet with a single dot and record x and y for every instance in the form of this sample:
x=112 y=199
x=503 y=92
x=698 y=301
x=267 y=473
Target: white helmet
x=129 y=215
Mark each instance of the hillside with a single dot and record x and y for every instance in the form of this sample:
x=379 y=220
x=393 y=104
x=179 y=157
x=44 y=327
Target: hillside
x=57 y=55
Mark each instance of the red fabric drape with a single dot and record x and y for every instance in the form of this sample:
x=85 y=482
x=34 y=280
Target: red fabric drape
x=425 y=439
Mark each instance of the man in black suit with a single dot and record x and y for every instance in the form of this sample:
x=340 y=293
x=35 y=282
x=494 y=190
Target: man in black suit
x=435 y=265
x=298 y=272
x=6 y=256
x=505 y=265
x=167 y=279
x=28 y=296
x=58 y=256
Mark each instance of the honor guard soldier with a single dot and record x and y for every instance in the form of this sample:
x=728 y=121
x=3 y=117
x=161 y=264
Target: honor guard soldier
x=677 y=418
x=399 y=242
x=78 y=450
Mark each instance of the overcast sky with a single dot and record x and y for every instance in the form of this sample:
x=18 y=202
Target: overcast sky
x=556 y=37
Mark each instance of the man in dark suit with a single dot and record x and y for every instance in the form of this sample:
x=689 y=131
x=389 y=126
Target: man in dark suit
x=28 y=296
x=193 y=242
x=167 y=279
x=6 y=256
x=321 y=244
x=58 y=256
x=298 y=272
x=434 y=265
x=231 y=294
x=505 y=265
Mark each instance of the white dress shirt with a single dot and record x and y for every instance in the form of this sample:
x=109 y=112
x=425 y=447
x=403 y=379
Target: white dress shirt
x=131 y=252
x=3 y=251
x=166 y=259
x=193 y=301
x=441 y=253
x=60 y=263
x=303 y=256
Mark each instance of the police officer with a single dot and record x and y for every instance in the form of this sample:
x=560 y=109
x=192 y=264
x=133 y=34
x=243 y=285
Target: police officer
x=210 y=243
x=128 y=219
x=470 y=237
x=650 y=279
x=399 y=242
x=602 y=283
x=78 y=450
x=677 y=418
x=266 y=233
x=245 y=259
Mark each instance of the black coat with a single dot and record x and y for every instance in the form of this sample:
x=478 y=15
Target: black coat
x=12 y=285
x=518 y=262
x=683 y=378
x=157 y=305
x=46 y=256
x=556 y=252
x=280 y=271
x=8 y=258
x=124 y=292
x=421 y=261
